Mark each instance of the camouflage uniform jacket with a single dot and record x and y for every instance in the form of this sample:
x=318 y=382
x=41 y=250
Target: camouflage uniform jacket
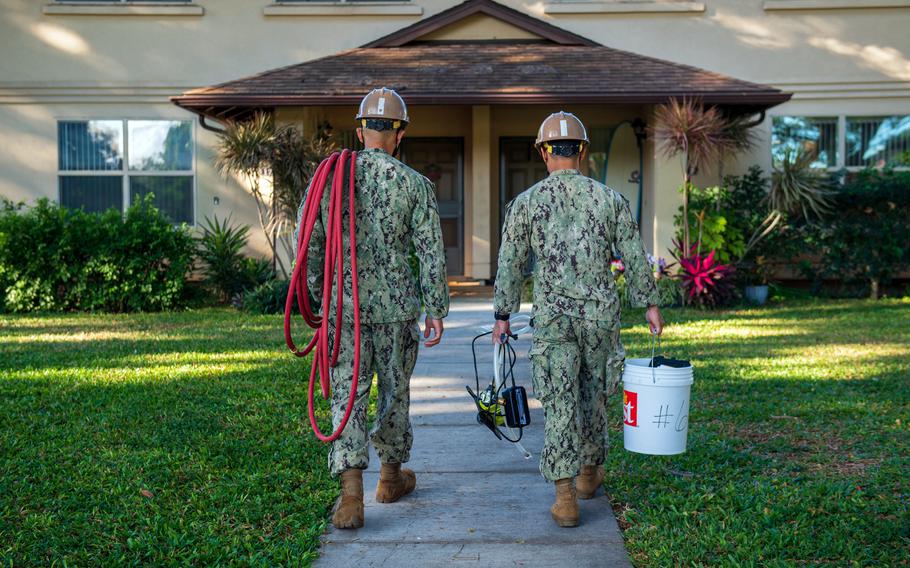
x=572 y=224
x=395 y=207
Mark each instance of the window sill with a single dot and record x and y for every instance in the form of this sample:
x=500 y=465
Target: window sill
x=343 y=9
x=779 y=5
x=624 y=7
x=123 y=9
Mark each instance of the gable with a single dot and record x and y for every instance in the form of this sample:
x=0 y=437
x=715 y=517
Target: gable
x=480 y=27
x=480 y=20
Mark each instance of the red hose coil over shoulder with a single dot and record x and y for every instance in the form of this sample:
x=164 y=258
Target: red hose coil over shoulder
x=325 y=356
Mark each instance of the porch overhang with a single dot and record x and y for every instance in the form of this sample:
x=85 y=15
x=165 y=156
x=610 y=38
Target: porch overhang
x=481 y=73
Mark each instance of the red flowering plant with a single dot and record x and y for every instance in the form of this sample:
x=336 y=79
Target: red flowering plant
x=705 y=281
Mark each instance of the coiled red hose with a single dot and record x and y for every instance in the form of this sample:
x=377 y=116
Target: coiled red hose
x=325 y=356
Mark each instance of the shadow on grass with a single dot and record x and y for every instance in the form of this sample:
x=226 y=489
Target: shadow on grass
x=192 y=463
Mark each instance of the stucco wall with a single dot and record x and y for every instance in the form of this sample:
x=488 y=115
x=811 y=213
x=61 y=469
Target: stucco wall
x=847 y=61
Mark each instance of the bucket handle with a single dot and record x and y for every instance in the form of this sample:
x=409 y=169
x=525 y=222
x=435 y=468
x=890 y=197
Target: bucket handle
x=655 y=343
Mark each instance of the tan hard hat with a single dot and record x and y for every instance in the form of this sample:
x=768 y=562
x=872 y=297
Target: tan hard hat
x=561 y=126
x=383 y=103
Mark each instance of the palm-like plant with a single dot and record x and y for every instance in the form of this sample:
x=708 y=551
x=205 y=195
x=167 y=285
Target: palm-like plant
x=293 y=165
x=225 y=268
x=702 y=136
x=256 y=149
x=798 y=188
x=245 y=148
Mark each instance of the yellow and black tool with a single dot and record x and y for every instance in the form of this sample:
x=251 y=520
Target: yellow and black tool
x=500 y=405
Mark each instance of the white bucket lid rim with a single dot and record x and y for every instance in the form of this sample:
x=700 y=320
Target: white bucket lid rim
x=639 y=373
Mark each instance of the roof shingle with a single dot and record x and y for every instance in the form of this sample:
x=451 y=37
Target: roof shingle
x=484 y=73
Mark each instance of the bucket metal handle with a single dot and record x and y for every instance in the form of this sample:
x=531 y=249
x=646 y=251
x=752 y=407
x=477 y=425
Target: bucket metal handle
x=655 y=343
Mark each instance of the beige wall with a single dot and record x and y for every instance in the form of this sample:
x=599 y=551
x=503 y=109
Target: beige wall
x=52 y=67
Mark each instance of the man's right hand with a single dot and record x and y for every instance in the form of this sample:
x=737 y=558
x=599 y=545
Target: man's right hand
x=434 y=325
x=499 y=328
x=655 y=320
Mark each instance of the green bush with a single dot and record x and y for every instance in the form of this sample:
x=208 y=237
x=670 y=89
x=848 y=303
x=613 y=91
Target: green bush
x=267 y=298
x=52 y=258
x=713 y=223
x=227 y=272
x=864 y=241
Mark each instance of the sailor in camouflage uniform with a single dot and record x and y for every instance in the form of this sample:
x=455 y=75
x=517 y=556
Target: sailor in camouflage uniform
x=573 y=226
x=396 y=209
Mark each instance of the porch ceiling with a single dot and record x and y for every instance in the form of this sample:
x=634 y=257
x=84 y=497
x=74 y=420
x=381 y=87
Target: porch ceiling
x=482 y=73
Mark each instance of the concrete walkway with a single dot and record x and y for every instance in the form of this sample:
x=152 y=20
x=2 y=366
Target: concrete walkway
x=477 y=502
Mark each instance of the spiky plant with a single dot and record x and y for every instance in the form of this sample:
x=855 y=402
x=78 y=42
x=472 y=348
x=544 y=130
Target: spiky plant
x=246 y=148
x=256 y=148
x=225 y=268
x=701 y=135
x=798 y=188
x=295 y=160
x=705 y=282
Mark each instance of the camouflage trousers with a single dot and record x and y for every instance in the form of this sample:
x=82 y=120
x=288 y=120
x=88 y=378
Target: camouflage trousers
x=576 y=365
x=389 y=350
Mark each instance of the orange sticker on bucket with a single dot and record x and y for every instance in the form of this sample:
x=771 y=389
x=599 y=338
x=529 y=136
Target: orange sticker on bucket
x=630 y=408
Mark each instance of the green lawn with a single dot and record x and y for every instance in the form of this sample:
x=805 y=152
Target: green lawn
x=799 y=441
x=182 y=438
x=152 y=439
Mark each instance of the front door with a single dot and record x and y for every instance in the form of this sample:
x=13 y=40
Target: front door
x=520 y=167
x=442 y=161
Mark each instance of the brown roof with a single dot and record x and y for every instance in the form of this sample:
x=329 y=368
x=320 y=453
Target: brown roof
x=481 y=73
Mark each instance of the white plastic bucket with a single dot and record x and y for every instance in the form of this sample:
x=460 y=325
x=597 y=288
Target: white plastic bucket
x=655 y=407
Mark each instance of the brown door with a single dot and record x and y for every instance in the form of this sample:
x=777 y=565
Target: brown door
x=520 y=167
x=442 y=161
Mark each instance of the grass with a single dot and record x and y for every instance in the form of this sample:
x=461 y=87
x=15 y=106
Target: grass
x=156 y=439
x=799 y=441
x=182 y=439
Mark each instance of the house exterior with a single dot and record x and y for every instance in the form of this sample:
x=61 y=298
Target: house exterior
x=103 y=101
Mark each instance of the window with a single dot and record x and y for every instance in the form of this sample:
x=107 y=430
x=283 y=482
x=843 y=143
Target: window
x=796 y=134
x=878 y=141
x=844 y=142
x=108 y=164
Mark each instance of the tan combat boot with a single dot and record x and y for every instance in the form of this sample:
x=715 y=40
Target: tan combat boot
x=589 y=480
x=394 y=483
x=565 y=509
x=348 y=512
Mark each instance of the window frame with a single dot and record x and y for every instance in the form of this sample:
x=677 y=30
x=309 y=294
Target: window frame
x=125 y=172
x=841 y=134
x=326 y=2
x=140 y=2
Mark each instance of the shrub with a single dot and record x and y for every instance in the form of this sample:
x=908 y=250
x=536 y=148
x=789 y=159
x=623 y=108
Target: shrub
x=267 y=298
x=227 y=271
x=52 y=258
x=713 y=223
x=865 y=241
